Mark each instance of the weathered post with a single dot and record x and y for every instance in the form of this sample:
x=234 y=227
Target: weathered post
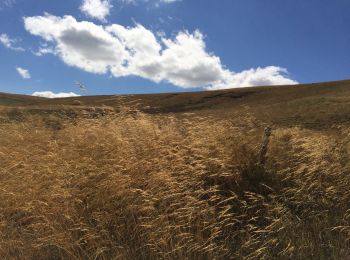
x=264 y=146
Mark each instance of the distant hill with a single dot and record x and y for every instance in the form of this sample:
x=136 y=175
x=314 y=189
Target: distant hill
x=310 y=105
x=17 y=100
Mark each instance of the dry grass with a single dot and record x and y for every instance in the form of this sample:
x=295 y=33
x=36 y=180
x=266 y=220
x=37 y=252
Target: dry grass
x=137 y=186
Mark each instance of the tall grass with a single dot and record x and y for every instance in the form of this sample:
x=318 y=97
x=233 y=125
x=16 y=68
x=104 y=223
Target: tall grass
x=135 y=186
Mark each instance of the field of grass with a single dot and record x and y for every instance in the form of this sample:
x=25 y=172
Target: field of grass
x=177 y=176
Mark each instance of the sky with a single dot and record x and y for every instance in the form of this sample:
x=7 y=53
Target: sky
x=52 y=48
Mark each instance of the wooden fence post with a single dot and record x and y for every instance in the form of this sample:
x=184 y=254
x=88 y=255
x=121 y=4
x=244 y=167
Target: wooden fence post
x=264 y=146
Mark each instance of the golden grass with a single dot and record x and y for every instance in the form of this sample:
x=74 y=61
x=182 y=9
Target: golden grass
x=137 y=186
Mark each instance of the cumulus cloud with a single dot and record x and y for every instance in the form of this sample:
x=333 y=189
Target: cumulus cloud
x=98 y=9
x=9 y=43
x=50 y=94
x=271 y=75
x=136 y=51
x=80 y=44
x=23 y=73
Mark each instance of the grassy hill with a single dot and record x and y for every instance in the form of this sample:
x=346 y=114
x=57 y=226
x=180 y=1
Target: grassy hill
x=177 y=175
x=313 y=105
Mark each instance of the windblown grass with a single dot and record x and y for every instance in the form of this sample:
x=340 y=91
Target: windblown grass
x=136 y=186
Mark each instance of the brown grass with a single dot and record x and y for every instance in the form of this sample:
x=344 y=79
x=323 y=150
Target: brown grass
x=129 y=185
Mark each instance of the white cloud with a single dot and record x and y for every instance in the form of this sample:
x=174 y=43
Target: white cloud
x=23 y=73
x=49 y=94
x=9 y=43
x=80 y=44
x=136 y=51
x=271 y=75
x=44 y=50
x=98 y=9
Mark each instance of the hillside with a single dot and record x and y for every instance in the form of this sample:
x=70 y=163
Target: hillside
x=313 y=105
x=177 y=175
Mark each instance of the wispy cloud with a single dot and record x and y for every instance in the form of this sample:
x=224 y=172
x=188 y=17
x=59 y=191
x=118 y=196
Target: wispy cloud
x=6 y=4
x=50 y=94
x=154 y=2
x=24 y=73
x=183 y=61
x=9 y=43
x=43 y=51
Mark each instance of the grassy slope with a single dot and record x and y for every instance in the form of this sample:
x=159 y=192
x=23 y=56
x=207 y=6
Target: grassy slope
x=176 y=175
x=313 y=105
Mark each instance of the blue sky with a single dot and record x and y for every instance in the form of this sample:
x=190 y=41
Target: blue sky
x=148 y=46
